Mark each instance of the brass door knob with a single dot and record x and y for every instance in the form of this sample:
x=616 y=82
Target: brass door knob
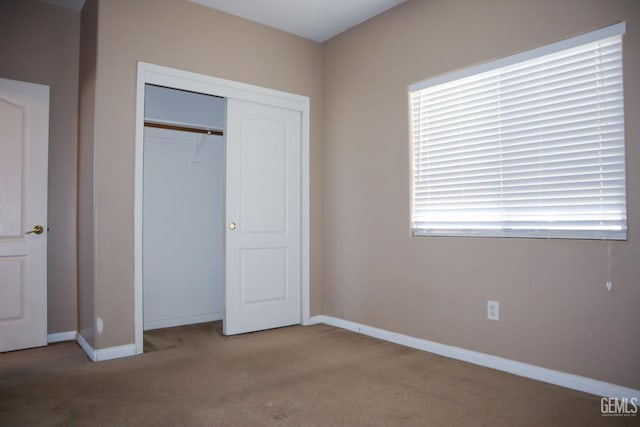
x=37 y=229
x=232 y=226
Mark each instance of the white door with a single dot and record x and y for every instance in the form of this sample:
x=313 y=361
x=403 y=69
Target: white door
x=24 y=140
x=263 y=259
x=183 y=228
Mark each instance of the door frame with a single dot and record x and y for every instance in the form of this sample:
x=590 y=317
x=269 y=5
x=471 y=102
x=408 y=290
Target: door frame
x=185 y=80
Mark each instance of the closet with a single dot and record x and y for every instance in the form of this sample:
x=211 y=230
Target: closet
x=221 y=206
x=183 y=207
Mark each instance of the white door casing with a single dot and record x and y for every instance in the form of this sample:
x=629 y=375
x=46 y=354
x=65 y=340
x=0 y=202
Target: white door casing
x=184 y=80
x=263 y=217
x=24 y=140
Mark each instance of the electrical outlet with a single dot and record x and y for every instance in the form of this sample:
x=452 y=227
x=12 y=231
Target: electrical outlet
x=493 y=310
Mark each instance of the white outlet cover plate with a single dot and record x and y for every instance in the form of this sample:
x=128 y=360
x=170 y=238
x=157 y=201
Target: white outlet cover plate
x=493 y=310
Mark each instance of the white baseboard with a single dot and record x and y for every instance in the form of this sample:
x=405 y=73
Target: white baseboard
x=179 y=321
x=61 y=336
x=86 y=347
x=563 y=379
x=115 y=352
x=106 y=353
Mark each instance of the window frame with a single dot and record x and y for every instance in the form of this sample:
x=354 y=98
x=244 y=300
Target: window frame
x=417 y=230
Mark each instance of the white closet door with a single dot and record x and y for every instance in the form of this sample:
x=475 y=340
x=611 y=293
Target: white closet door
x=183 y=228
x=263 y=271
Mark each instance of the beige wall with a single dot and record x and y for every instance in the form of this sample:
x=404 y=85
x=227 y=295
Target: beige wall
x=183 y=35
x=555 y=309
x=39 y=43
x=86 y=201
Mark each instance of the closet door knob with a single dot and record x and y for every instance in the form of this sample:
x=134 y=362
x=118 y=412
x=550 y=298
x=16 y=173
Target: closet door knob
x=232 y=226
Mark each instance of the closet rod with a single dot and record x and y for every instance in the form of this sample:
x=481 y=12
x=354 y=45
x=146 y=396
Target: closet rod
x=206 y=131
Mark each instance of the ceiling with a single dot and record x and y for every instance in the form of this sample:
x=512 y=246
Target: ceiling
x=317 y=20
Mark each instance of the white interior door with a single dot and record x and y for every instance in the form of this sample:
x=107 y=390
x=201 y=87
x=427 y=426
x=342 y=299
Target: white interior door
x=263 y=258
x=24 y=140
x=183 y=228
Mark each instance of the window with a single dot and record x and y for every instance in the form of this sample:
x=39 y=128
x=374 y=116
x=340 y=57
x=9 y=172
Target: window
x=526 y=146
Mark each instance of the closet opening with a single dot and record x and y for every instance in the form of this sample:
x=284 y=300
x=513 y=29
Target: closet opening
x=183 y=207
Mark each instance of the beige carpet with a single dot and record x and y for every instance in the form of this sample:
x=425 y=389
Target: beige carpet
x=297 y=376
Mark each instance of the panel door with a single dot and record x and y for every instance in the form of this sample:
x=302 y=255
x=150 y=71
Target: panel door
x=263 y=243
x=24 y=139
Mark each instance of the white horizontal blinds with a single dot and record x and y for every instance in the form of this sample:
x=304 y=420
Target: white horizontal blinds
x=530 y=149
